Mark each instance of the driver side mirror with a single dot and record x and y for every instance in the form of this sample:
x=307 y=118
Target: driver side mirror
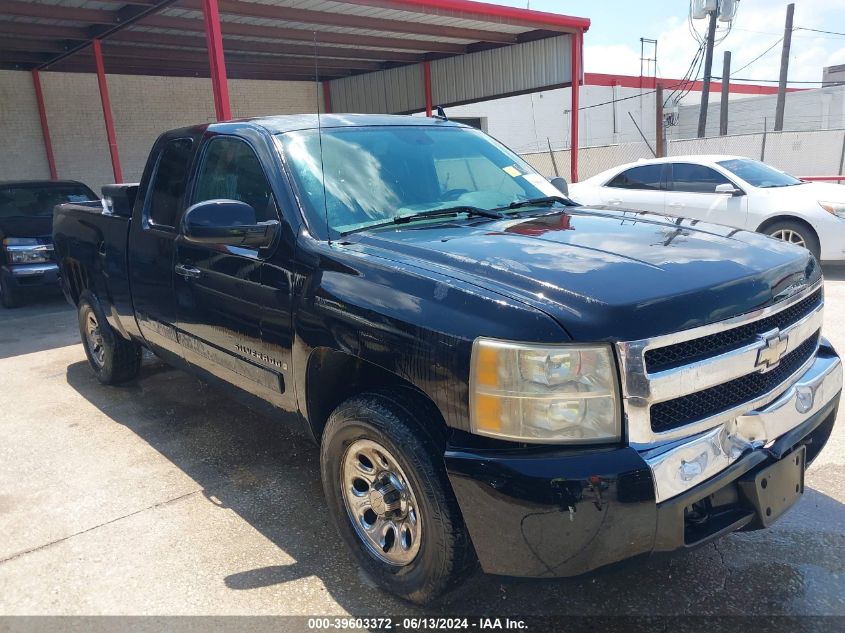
x=560 y=184
x=727 y=187
x=227 y=222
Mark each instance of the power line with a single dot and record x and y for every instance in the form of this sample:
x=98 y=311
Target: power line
x=804 y=28
x=758 y=57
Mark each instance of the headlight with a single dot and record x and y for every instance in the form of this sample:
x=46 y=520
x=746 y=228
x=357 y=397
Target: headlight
x=27 y=250
x=563 y=394
x=834 y=208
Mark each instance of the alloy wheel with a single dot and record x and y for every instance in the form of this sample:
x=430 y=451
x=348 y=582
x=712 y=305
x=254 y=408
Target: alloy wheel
x=788 y=235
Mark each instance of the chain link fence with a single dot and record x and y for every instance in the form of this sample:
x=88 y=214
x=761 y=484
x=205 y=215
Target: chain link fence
x=806 y=153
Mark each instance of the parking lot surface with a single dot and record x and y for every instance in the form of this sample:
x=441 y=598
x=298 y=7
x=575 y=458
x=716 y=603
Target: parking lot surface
x=165 y=496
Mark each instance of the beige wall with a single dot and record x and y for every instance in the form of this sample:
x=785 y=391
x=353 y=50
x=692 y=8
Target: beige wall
x=143 y=108
x=22 y=147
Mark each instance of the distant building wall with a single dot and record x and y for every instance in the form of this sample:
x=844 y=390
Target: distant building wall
x=143 y=107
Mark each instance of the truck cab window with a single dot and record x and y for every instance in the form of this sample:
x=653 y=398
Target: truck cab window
x=230 y=170
x=168 y=184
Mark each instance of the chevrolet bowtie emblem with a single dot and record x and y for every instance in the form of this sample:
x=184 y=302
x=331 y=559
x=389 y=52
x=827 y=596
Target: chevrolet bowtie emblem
x=775 y=345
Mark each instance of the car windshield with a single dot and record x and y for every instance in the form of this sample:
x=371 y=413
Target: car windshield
x=38 y=200
x=375 y=174
x=759 y=174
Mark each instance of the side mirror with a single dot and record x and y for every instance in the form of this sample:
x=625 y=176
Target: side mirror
x=560 y=184
x=727 y=187
x=226 y=222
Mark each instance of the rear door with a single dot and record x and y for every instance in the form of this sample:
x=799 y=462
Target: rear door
x=219 y=291
x=640 y=188
x=691 y=193
x=152 y=241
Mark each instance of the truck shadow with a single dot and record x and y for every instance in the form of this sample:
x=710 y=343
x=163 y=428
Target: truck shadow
x=268 y=473
x=42 y=323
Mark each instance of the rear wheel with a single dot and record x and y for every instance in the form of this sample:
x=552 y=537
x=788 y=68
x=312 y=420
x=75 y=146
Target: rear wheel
x=8 y=297
x=388 y=493
x=795 y=233
x=113 y=358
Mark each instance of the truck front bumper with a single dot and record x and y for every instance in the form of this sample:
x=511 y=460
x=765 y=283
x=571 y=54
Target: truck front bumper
x=543 y=512
x=24 y=277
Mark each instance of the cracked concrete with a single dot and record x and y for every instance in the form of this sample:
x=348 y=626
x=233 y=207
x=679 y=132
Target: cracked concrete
x=166 y=497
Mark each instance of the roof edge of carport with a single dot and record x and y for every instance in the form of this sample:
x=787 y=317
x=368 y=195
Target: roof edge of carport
x=498 y=10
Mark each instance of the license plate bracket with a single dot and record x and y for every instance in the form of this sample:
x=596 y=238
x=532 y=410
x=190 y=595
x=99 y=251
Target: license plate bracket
x=775 y=489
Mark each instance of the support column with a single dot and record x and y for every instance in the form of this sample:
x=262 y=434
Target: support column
x=429 y=108
x=327 y=97
x=107 y=117
x=45 y=129
x=216 y=62
x=576 y=88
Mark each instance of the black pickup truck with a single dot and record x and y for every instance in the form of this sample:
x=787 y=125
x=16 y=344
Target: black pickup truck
x=493 y=373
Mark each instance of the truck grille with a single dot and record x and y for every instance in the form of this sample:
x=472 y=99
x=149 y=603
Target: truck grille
x=671 y=356
x=703 y=404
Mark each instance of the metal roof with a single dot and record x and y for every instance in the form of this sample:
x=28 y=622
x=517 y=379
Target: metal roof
x=263 y=39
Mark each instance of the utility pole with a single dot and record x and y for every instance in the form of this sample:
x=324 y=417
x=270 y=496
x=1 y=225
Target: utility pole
x=726 y=82
x=708 y=65
x=658 y=121
x=784 y=67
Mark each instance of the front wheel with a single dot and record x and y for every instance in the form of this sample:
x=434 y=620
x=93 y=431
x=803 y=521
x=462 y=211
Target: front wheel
x=8 y=297
x=795 y=233
x=112 y=357
x=389 y=496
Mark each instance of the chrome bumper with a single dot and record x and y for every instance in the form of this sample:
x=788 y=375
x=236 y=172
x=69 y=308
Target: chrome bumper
x=689 y=464
x=31 y=270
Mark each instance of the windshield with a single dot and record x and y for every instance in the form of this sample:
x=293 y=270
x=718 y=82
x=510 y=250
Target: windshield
x=375 y=174
x=759 y=174
x=39 y=200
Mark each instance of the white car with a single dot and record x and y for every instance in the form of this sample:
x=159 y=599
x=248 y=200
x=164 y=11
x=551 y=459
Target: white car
x=730 y=190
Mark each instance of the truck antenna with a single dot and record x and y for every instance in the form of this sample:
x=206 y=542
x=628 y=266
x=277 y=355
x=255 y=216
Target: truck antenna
x=320 y=138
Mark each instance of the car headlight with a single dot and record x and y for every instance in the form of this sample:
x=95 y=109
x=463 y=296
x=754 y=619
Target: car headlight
x=553 y=394
x=27 y=250
x=834 y=208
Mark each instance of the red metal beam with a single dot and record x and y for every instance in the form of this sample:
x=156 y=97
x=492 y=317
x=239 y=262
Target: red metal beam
x=107 y=117
x=45 y=128
x=327 y=97
x=576 y=89
x=216 y=61
x=429 y=106
x=483 y=12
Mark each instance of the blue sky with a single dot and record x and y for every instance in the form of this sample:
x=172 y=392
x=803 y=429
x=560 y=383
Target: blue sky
x=612 y=44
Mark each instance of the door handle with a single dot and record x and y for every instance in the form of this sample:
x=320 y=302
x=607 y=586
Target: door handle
x=615 y=201
x=676 y=205
x=188 y=272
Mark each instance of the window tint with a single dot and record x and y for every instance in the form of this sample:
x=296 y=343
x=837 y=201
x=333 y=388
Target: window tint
x=644 y=177
x=29 y=200
x=168 y=184
x=696 y=178
x=230 y=170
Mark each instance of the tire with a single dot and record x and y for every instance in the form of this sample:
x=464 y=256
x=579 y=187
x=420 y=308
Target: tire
x=430 y=551
x=112 y=357
x=795 y=233
x=8 y=298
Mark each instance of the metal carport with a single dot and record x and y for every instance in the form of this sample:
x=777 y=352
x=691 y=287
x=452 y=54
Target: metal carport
x=368 y=55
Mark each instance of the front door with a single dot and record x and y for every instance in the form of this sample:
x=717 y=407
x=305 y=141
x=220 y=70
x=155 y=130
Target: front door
x=152 y=242
x=691 y=193
x=219 y=290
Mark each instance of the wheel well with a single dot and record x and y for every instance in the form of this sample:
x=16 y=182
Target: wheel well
x=787 y=218
x=333 y=377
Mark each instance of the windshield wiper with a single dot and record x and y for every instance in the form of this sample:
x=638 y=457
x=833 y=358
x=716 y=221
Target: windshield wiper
x=447 y=211
x=536 y=202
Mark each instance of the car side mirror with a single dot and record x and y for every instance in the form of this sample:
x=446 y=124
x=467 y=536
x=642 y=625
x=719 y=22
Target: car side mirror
x=727 y=187
x=226 y=222
x=560 y=184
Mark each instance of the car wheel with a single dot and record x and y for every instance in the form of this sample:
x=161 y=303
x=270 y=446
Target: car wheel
x=795 y=233
x=389 y=496
x=112 y=357
x=8 y=297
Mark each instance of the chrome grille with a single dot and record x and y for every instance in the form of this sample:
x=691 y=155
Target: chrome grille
x=663 y=358
x=709 y=402
x=689 y=382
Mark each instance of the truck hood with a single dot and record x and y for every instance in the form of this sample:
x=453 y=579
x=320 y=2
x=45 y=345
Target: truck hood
x=34 y=226
x=606 y=274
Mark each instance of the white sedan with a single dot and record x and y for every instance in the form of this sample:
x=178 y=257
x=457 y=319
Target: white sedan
x=729 y=190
